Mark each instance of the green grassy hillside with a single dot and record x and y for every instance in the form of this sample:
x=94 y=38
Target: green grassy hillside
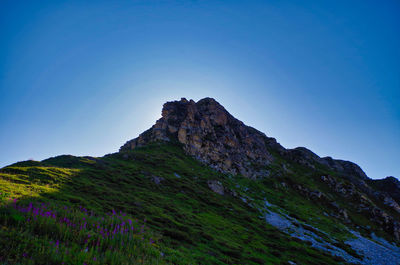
x=166 y=191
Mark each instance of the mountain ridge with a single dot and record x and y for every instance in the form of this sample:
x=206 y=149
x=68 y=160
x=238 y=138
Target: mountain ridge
x=196 y=124
x=209 y=133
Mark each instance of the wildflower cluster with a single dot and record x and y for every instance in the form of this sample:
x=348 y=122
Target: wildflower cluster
x=67 y=235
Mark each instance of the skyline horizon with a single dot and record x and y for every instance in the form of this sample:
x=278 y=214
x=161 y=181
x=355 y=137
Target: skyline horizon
x=177 y=99
x=81 y=77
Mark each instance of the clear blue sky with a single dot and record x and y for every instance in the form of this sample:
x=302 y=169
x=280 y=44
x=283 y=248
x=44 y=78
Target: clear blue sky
x=83 y=77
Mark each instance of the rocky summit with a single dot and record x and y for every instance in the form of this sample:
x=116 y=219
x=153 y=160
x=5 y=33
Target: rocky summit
x=198 y=187
x=212 y=135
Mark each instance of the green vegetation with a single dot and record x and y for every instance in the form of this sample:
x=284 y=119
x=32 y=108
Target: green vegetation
x=54 y=234
x=189 y=223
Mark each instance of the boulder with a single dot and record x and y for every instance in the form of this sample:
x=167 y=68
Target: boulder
x=216 y=186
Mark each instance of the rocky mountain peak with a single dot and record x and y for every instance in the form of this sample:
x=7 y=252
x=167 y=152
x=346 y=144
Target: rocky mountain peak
x=212 y=135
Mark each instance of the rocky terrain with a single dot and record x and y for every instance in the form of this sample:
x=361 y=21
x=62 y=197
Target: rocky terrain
x=216 y=191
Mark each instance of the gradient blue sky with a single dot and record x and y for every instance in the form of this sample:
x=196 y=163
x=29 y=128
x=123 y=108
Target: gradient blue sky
x=83 y=77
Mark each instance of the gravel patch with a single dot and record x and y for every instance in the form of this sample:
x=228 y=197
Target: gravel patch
x=376 y=251
x=286 y=224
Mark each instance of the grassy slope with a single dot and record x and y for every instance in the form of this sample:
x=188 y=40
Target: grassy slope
x=197 y=225
x=49 y=233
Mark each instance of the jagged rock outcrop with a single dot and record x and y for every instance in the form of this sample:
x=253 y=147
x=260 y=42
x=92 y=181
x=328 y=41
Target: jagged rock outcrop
x=367 y=206
x=305 y=157
x=389 y=185
x=212 y=135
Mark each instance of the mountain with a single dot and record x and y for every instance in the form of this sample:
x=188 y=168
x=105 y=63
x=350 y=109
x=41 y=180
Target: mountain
x=206 y=189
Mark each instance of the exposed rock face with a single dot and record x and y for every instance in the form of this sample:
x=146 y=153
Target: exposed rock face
x=305 y=157
x=367 y=206
x=209 y=133
x=388 y=201
x=344 y=167
x=216 y=186
x=390 y=185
